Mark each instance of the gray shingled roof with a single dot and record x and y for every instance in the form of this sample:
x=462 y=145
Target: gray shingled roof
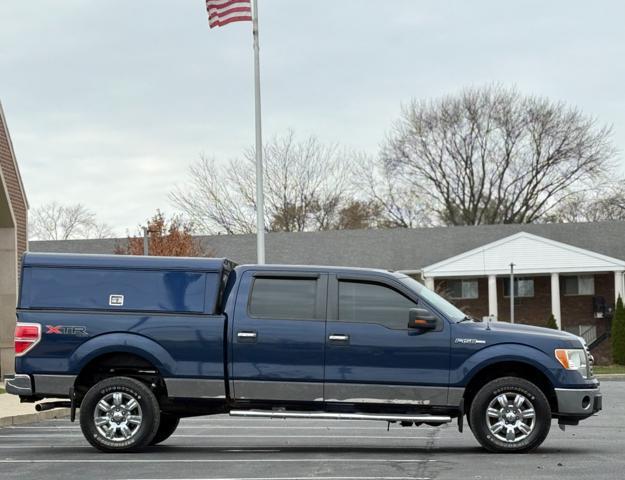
x=392 y=249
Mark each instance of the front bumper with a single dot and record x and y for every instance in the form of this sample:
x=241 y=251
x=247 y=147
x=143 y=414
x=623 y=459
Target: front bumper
x=578 y=402
x=18 y=384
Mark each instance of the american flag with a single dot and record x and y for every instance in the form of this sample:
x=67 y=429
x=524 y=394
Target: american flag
x=223 y=12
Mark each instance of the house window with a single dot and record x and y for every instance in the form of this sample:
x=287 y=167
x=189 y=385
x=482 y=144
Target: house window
x=579 y=285
x=462 y=289
x=523 y=287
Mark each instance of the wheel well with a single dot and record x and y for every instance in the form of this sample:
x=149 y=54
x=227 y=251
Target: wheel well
x=510 y=369
x=118 y=364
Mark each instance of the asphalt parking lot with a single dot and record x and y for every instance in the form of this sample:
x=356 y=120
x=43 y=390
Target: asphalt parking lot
x=235 y=448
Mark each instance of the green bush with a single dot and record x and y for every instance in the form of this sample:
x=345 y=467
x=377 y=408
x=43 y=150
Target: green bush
x=551 y=323
x=618 y=333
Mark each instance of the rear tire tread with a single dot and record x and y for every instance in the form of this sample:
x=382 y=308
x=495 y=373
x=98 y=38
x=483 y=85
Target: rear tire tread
x=149 y=406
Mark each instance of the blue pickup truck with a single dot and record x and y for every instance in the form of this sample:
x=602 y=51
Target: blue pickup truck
x=136 y=343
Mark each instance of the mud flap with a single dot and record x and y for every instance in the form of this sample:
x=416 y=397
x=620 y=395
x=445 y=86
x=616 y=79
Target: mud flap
x=72 y=398
x=461 y=416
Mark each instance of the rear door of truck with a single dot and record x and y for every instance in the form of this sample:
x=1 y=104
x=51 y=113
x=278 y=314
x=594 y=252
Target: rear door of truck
x=278 y=336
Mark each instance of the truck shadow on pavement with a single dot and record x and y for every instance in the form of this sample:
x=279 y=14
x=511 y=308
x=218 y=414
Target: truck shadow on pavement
x=457 y=450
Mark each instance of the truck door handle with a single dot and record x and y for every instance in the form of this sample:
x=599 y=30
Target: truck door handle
x=247 y=335
x=338 y=338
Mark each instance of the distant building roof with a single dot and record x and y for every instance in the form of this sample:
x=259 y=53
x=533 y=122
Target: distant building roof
x=529 y=254
x=391 y=249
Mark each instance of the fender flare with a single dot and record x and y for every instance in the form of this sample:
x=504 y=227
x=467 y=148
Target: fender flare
x=122 y=343
x=506 y=352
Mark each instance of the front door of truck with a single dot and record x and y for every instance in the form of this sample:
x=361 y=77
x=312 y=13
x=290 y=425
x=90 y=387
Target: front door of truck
x=372 y=356
x=278 y=336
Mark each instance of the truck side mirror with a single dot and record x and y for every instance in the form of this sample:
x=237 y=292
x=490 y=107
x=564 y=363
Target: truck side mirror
x=421 y=318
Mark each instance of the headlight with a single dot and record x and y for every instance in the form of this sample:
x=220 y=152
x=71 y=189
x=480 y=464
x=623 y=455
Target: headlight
x=573 y=359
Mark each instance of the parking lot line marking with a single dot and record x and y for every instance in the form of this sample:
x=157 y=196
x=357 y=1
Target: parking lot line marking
x=297 y=478
x=372 y=437
x=251 y=450
x=209 y=427
x=173 y=447
x=217 y=460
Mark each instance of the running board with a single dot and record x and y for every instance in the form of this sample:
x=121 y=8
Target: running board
x=438 y=419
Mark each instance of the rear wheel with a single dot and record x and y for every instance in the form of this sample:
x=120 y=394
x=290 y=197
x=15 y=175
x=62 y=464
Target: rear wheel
x=119 y=414
x=510 y=414
x=167 y=427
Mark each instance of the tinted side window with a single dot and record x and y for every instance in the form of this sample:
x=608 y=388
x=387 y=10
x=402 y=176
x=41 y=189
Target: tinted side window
x=371 y=303
x=284 y=298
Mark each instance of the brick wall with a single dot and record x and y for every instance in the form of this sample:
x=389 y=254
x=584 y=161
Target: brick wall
x=476 y=307
x=575 y=309
x=527 y=310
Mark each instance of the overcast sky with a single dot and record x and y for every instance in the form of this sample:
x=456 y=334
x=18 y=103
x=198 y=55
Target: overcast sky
x=108 y=102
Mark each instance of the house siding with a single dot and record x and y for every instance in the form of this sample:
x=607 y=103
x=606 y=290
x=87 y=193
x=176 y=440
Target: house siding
x=13 y=243
x=14 y=189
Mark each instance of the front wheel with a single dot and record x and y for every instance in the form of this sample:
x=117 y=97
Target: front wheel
x=119 y=414
x=510 y=414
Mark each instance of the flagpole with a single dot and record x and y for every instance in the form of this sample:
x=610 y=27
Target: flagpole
x=260 y=201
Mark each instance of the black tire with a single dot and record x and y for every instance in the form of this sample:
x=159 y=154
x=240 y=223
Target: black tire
x=167 y=427
x=130 y=425
x=523 y=432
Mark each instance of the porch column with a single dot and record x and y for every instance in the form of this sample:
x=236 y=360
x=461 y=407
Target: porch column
x=619 y=288
x=492 y=297
x=429 y=282
x=555 y=299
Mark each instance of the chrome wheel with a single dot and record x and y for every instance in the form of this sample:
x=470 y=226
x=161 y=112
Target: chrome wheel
x=118 y=416
x=510 y=417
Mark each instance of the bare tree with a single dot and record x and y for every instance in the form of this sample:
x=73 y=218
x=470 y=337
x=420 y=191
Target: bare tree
x=358 y=214
x=306 y=186
x=490 y=155
x=54 y=221
x=596 y=205
x=398 y=202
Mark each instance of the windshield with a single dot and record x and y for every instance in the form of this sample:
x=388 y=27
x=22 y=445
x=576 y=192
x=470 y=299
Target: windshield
x=438 y=302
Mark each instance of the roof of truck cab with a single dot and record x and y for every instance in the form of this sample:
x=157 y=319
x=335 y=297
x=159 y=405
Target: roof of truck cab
x=124 y=261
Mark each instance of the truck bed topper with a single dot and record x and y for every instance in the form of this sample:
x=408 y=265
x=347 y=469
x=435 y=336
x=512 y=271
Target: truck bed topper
x=122 y=282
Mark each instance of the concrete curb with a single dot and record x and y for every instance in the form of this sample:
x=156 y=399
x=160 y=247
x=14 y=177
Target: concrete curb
x=34 y=417
x=611 y=377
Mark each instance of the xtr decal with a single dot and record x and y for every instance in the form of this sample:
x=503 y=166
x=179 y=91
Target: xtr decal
x=78 y=331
